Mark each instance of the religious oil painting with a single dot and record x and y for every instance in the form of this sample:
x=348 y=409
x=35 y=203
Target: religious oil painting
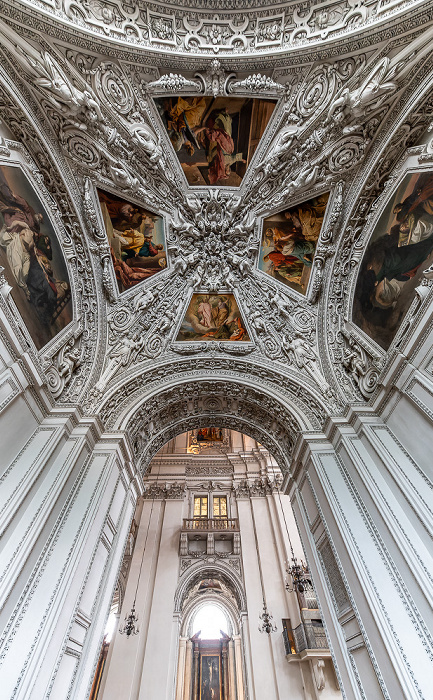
x=210 y=678
x=209 y=584
x=213 y=317
x=215 y=138
x=136 y=238
x=399 y=250
x=289 y=242
x=32 y=258
x=210 y=435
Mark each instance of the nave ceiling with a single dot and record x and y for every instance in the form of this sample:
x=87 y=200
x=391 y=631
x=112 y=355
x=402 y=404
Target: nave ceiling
x=83 y=106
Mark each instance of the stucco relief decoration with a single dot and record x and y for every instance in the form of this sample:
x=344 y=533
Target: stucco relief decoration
x=199 y=29
x=320 y=19
x=215 y=33
x=324 y=127
x=162 y=28
x=269 y=31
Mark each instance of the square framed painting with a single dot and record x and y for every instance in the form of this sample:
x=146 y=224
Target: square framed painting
x=213 y=317
x=400 y=248
x=214 y=137
x=136 y=238
x=289 y=241
x=32 y=258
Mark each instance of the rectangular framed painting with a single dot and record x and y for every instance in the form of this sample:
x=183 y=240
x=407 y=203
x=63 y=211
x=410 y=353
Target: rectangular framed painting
x=213 y=317
x=210 y=678
x=32 y=258
x=289 y=241
x=210 y=435
x=214 y=137
x=136 y=238
x=400 y=248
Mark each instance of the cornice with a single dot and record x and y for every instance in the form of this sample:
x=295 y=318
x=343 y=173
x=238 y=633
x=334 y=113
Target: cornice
x=296 y=38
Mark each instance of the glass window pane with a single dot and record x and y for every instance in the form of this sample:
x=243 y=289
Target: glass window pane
x=200 y=507
x=196 y=506
x=220 y=507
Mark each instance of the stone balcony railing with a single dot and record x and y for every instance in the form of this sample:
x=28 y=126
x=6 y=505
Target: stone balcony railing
x=210 y=535
x=306 y=636
x=210 y=524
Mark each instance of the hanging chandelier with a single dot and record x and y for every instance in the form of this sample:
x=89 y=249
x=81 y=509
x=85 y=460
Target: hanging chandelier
x=129 y=626
x=299 y=573
x=300 y=576
x=267 y=624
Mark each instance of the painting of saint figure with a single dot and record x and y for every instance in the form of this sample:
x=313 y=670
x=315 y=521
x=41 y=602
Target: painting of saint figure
x=32 y=259
x=289 y=241
x=213 y=317
x=400 y=248
x=136 y=238
x=215 y=137
x=210 y=435
x=210 y=678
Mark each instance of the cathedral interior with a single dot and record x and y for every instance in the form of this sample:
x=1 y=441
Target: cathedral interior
x=216 y=361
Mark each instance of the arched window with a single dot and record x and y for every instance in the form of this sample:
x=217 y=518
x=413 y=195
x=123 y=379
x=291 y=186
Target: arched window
x=210 y=620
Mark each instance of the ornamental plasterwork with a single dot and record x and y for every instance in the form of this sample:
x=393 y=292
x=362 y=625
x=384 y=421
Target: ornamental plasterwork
x=215 y=28
x=335 y=128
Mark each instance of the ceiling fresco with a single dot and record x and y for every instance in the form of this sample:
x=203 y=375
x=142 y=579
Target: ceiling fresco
x=399 y=250
x=32 y=258
x=136 y=238
x=274 y=255
x=213 y=317
x=289 y=241
x=215 y=138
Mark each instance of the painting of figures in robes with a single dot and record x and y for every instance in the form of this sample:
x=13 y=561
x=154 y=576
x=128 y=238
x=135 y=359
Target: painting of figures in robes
x=213 y=317
x=289 y=241
x=210 y=435
x=210 y=678
x=400 y=248
x=214 y=137
x=136 y=238
x=32 y=259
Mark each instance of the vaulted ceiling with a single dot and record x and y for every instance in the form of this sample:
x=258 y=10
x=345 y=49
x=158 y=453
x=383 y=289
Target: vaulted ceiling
x=259 y=147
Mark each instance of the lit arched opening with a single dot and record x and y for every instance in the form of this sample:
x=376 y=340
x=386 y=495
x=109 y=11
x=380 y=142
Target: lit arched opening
x=210 y=621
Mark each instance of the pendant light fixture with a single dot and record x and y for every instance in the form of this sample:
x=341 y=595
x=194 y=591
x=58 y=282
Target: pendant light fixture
x=298 y=572
x=130 y=626
x=265 y=618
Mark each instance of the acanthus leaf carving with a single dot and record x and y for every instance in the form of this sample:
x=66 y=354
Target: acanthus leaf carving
x=175 y=83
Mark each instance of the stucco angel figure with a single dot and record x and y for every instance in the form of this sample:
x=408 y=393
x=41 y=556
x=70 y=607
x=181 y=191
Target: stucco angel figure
x=120 y=356
x=381 y=83
x=60 y=90
x=70 y=361
x=143 y=300
x=355 y=360
x=151 y=144
x=370 y=95
x=304 y=355
x=196 y=279
x=279 y=304
x=283 y=145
